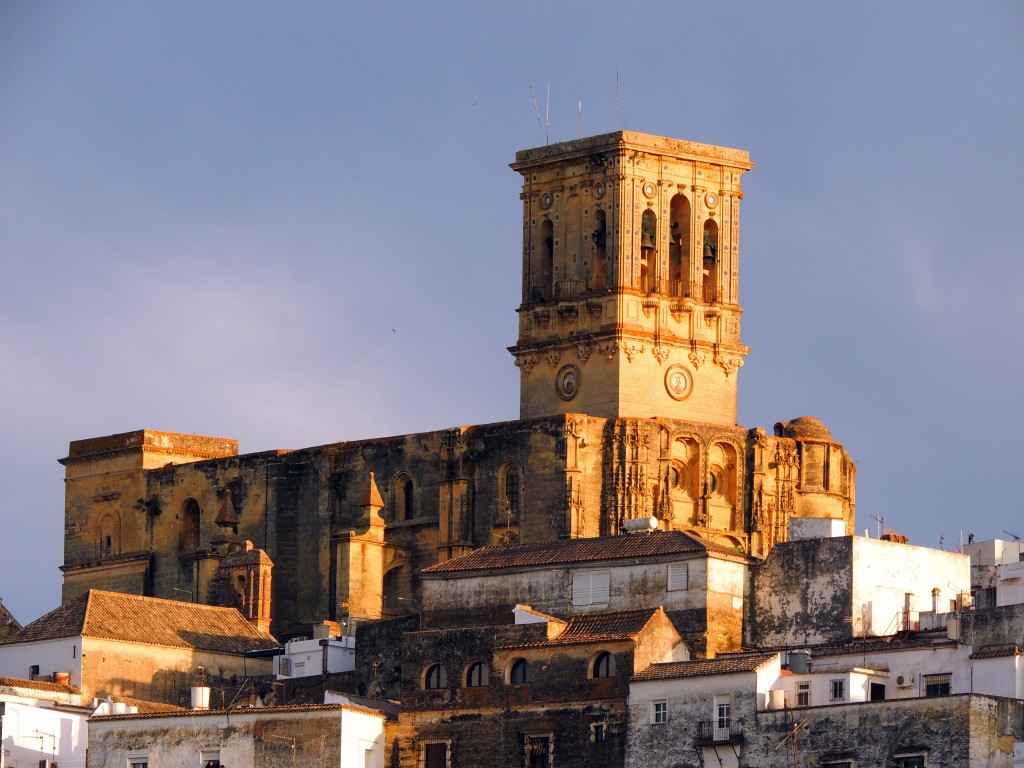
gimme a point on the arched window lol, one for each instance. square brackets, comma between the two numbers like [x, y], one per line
[109, 539]
[604, 665]
[709, 271]
[648, 255]
[521, 672]
[435, 678]
[510, 490]
[600, 238]
[190, 516]
[477, 676]
[679, 248]
[545, 279]
[403, 498]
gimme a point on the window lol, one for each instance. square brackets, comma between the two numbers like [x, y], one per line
[436, 677]
[190, 516]
[477, 676]
[537, 749]
[838, 690]
[597, 731]
[510, 478]
[723, 717]
[521, 672]
[803, 694]
[33, 671]
[590, 588]
[403, 498]
[435, 753]
[937, 685]
[210, 758]
[678, 577]
[909, 761]
[604, 665]
[138, 760]
[659, 712]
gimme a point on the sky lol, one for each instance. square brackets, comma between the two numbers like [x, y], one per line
[294, 224]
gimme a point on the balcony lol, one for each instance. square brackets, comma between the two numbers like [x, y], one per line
[711, 732]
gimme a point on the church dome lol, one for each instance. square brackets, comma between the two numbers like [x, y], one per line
[803, 427]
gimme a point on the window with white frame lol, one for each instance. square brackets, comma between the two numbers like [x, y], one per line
[916, 760]
[937, 685]
[210, 758]
[598, 731]
[538, 750]
[803, 694]
[138, 759]
[659, 712]
[723, 717]
[590, 588]
[678, 577]
[435, 753]
[837, 689]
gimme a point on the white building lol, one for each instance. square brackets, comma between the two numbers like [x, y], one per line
[41, 724]
[258, 737]
[999, 564]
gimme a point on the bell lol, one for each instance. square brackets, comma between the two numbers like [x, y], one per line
[647, 240]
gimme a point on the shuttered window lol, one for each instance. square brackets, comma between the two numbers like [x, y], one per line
[590, 588]
[678, 577]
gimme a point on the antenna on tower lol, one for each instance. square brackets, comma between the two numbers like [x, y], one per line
[547, 117]
[616, 97]
[533, 95]
[879, 522]
[579, 117]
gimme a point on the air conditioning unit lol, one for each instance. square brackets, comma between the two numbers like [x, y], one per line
[905, 681]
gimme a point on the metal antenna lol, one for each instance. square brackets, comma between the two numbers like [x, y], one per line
[579, 117]
[880, 521]
[547, 117]
[617, 97]
[1014, 535]
[533, 95]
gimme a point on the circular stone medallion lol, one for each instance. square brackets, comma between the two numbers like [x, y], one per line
[678, 382]
[567, 382]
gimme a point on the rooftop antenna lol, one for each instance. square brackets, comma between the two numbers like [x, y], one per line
[547, 117]
[1013, 535]
[536, 109]
[617, 114]
[579, 117]
[879, 521]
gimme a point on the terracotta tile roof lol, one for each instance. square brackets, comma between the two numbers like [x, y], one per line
[266, 711]
[148, 707]
[997, 651]
[875, 644]
[598, 627]
[723, 665]
[581, 551]
[148, 620]
[38, 685]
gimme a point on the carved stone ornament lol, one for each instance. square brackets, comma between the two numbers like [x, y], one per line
[567, 382]
[583, 352]
[728, 364]
[678, 382]
[553, 356]
[697, 359]
[526, 362]
[660, 353]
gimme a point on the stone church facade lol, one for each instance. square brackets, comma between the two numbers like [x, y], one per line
[629, 352]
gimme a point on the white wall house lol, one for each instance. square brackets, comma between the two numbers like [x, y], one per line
[41, 724]
[265, 737]
[43, 659]
[305, 658]
[1000, 564]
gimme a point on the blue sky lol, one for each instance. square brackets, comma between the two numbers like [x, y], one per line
[212, 216]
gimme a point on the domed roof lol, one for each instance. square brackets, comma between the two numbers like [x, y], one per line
[803, 427]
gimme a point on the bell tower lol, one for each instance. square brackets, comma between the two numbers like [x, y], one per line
[630, 304]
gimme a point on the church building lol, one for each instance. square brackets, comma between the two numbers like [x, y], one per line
[629, 352]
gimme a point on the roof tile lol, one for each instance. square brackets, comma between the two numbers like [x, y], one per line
[581, 551]
[148, 620]
[723, 665]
